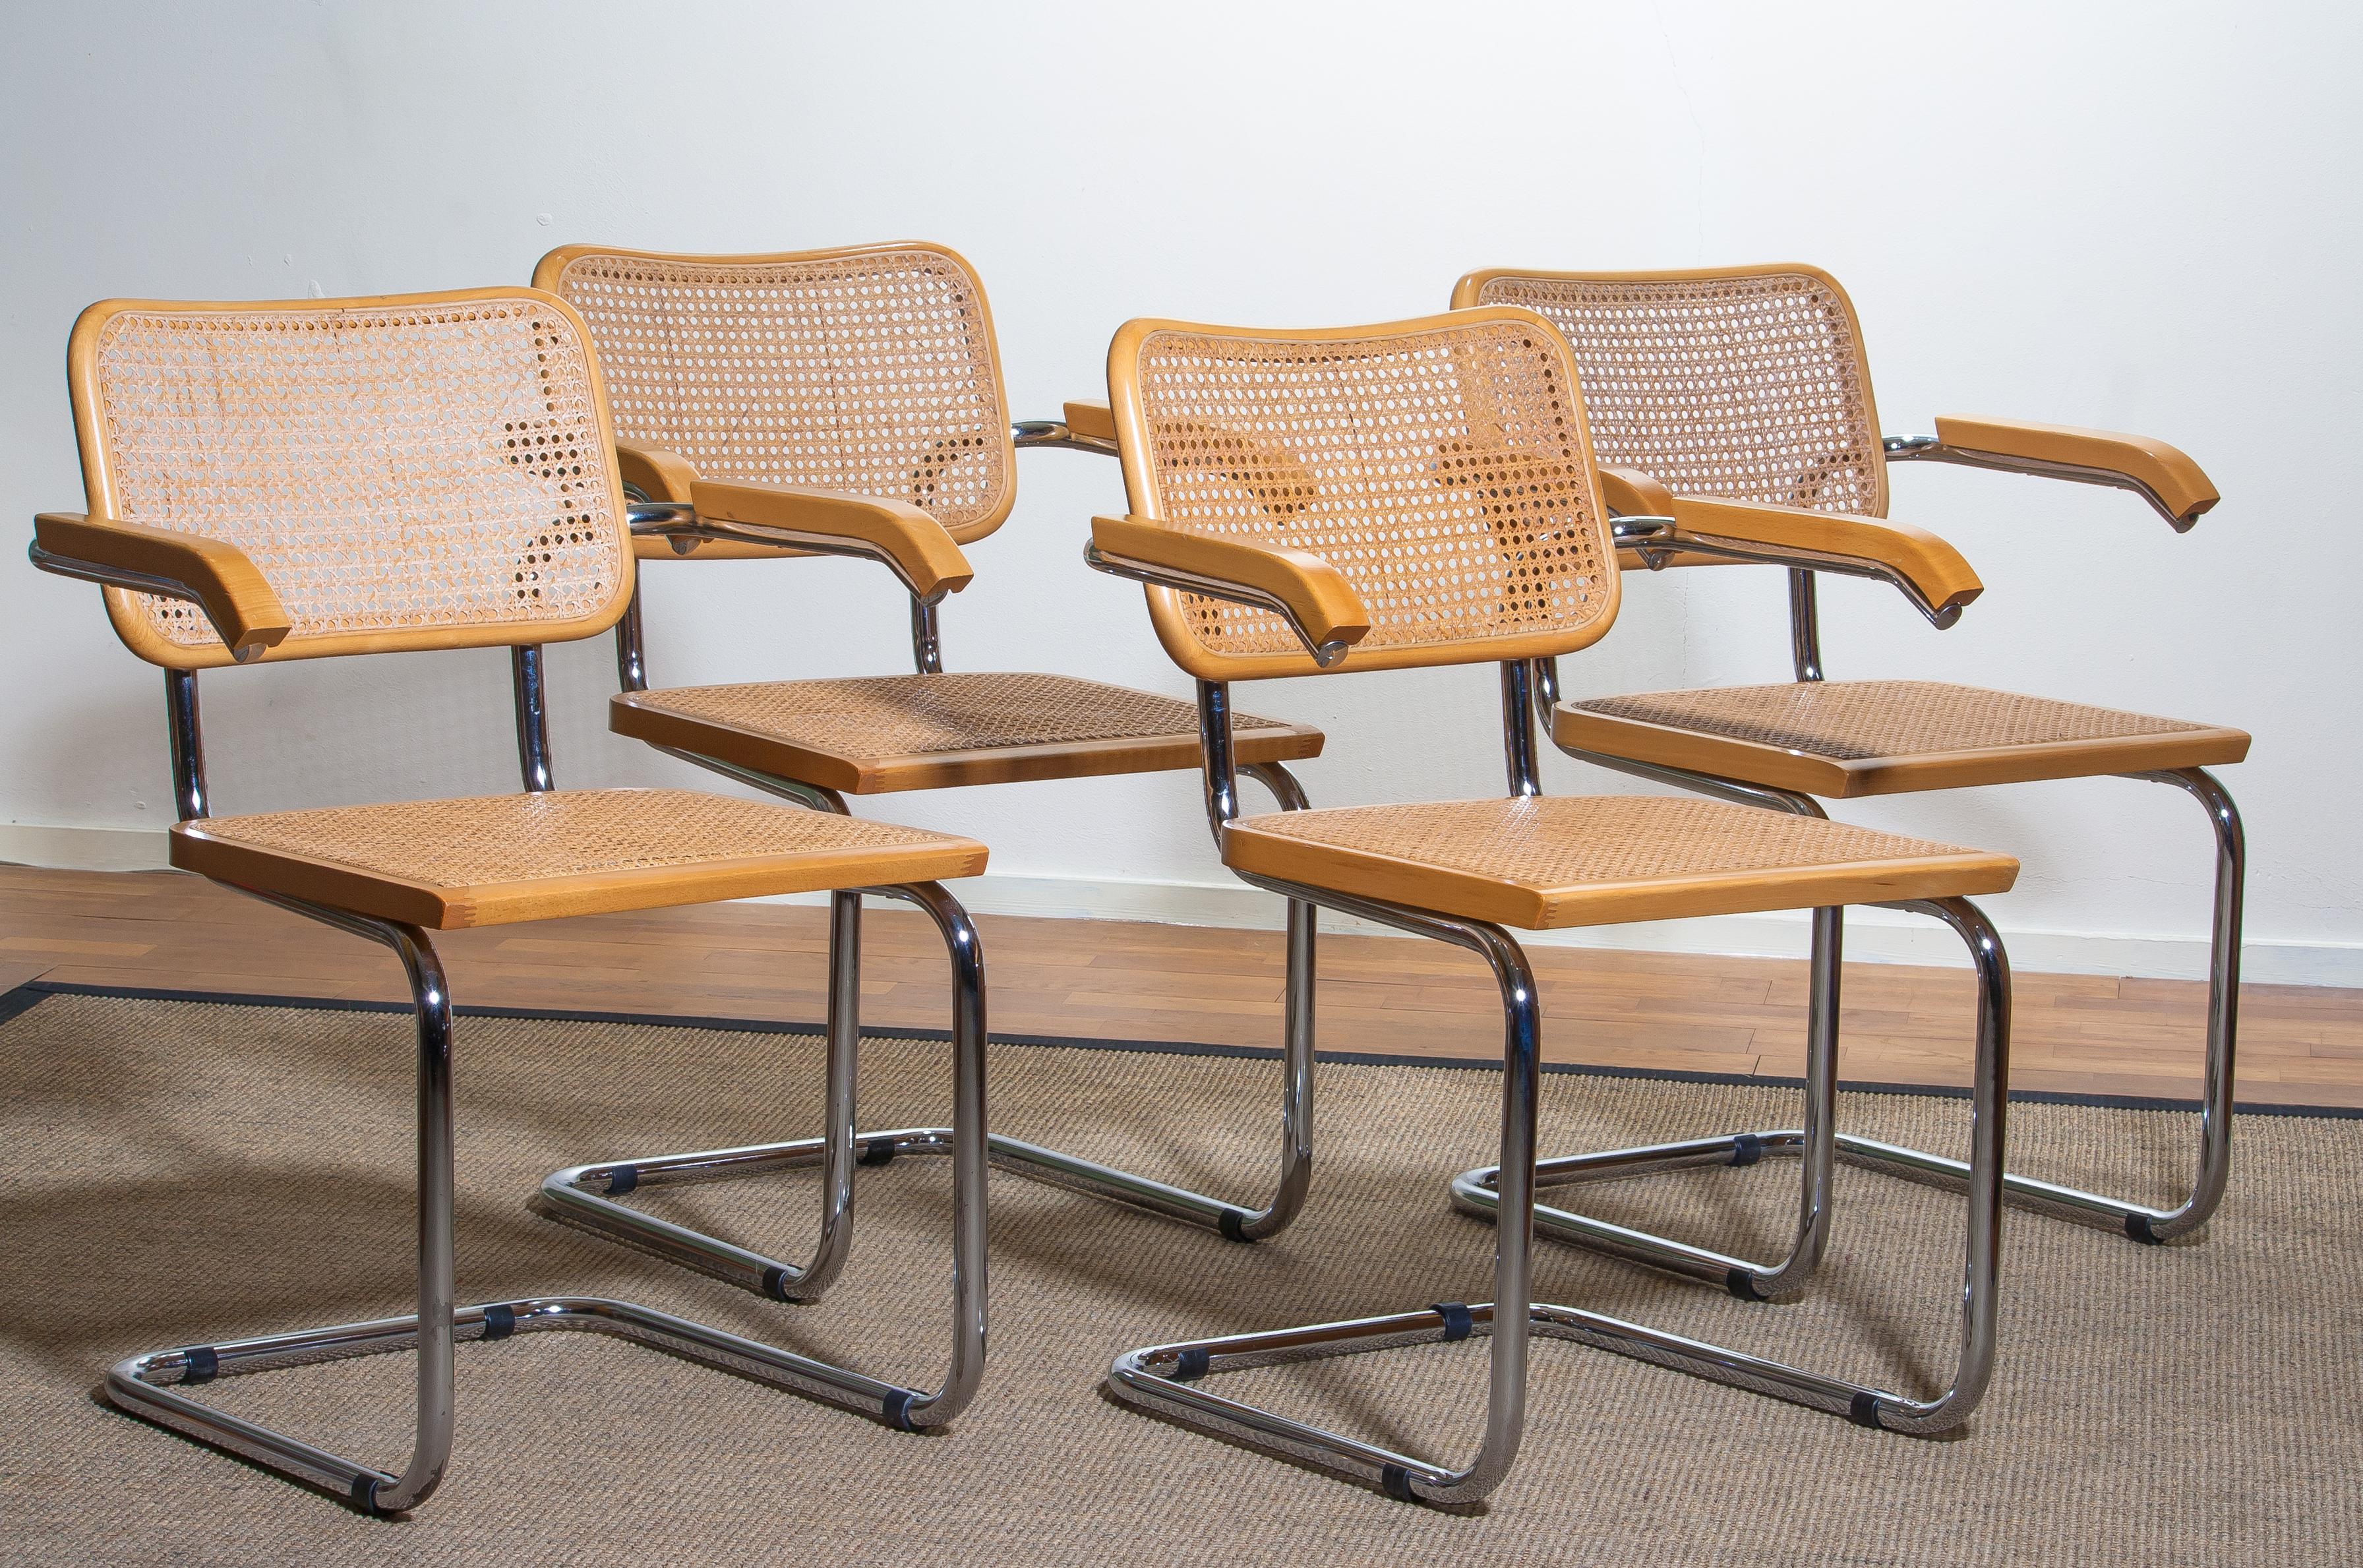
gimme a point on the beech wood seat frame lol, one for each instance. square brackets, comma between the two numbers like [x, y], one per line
[1195, 564]
[175, 564]
[687, 515]
[1619, 306]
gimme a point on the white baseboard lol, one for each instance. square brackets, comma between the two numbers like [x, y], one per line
[1874, 936]
[82, 849]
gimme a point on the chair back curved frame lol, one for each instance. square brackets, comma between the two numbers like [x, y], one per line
[1442, 467]
[1753, 384]
[409, 473]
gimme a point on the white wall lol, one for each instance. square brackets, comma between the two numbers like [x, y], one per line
[2135, 216]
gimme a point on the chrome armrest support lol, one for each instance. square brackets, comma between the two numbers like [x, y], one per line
[1324, 654]
[138, 583]
[1659, 539]
[1931, 449]
[645, 517]
[677, 524]
[1631, 533]
[1802, 560]
[1055, 433]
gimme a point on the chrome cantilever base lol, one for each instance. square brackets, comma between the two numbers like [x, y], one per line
[1167, 1379]
[584, 1196]
[150, 1385]
[1818, 1144]
[145, 1384]
[2143, 1223]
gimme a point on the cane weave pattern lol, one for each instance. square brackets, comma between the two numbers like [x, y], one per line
[498, 838]
[1750, 388]
[1562, 841]
[913, 715]
[1443, 472]
[872, 372]
[1854, 721]
[408, 468]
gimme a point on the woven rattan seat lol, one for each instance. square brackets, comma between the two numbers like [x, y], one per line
[1852, 738]
[492, 860]
[877, 735]
[1547, 861]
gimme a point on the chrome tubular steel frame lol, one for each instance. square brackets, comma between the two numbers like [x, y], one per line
[1166, 1380]
[150, 1385]
[1928, 448]
[1055, 433]
[927, 636]
[1804, 625]
[581, 1193]
[2139, 1221]
[1816, 1144]
[532, 716]
[188, 745]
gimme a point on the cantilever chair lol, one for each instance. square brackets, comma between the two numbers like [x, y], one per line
[318, 477]
[1736, 406]
[1423, 493]
[850, 402]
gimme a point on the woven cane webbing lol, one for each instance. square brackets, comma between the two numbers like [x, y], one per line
[397, 469]
[1443, 472]
[913, 715]
[1851, 720]
[1749, 387]
[569, 833]
[872, 372]
[1559, 841]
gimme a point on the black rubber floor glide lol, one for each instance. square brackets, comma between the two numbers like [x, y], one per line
[2138, 1227]
[898, 1410]
[775, 1283]
[1741, 1283]
[1459, 1324]
[1395, 1480]
[1864, 1411]
[203, 1362]
[623, 1179]
[1192, 1364]
[878, 1151]
[1232, 1225]
[500, 1322]
[1746, 1149]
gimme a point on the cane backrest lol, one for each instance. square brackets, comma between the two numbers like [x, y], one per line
[1442, 465]
[419, 471]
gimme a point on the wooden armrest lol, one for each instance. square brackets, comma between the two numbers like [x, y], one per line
[1086, 428]
[655, 472]
[2159, 474]
[910, 543]
[215, 575]
[1929, 570]
[1314, 596]
[1095, 421]
[1629, 493]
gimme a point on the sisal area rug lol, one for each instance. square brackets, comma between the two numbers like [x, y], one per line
[181, 1171]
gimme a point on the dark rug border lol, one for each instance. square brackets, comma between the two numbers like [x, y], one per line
[29, 996]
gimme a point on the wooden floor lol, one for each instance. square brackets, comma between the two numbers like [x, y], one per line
[1124, 981]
